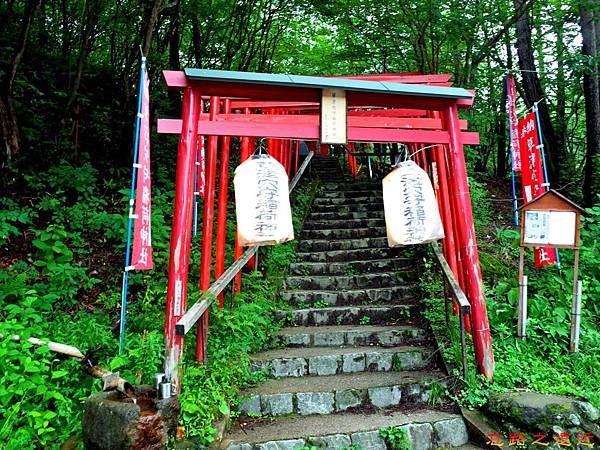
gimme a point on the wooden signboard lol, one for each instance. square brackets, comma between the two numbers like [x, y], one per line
[334, 117]
[550, 220]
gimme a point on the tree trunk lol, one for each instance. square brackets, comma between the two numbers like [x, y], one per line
[591, 91]
[534, 92]
[93, 9]
[8, 116]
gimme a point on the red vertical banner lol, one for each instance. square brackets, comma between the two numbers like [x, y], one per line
[532, 177]
[142, 234]
[511, 110]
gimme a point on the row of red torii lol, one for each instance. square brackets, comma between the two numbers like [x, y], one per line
[413, 109]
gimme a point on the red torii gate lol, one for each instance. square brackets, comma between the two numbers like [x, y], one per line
[414, 109]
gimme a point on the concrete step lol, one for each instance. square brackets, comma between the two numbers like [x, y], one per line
[304, 361]
[426, 429]
[350, 315]
[346, 215]
[349, 282]
[323, 245]
[349, 335]
[348, 255]
[337, 393]
[344, 209]
[352, 267]
[344, 233]
[345, 194]
[389, 295]
[375, 198]
[314, 224]
[352, 186]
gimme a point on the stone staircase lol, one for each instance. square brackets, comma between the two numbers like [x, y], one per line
[353, 358]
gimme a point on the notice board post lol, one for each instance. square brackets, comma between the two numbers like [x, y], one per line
[550, 220]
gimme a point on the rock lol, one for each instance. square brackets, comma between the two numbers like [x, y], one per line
[589, 411]
[385, 396]
[534, 412]
[239, 447]
[451, 433]
[277, 404]
[331, 442]
[353, 362]
[251, 405]
[368, 440]
[323, 365]
[315, 402]
[348, 399]
[420, 435]
[290, 444]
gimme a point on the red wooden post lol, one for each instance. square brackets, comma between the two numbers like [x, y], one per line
[245, 152]
[222, 207]
[324, 151]
[468, 247]
[207, 227]
[181, 232]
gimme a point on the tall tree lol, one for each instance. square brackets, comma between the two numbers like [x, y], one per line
[589, 34]
[533, 91]
[8, 115]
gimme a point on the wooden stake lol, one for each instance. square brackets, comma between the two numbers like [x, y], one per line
[521, 293]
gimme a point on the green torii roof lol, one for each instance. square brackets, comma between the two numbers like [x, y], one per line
[382, 87]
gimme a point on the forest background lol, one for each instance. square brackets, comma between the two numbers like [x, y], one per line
[68, 82]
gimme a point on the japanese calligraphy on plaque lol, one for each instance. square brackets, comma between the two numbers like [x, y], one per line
[333, 117]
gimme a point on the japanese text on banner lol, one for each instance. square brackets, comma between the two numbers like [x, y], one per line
[142, 234]
[532, 177]
[511, 98]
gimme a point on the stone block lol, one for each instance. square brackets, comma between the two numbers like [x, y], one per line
[289, 444]
[300, 340]
[420, 435]
[385, 396]
[368, 440]
[358, 337]
[250, 405]
[353, 362]
[324, 365]
[331, 339]
[410, 360]
[314, 402]
[239, 447]
[277, 404]
[288, 367]
[331, 442]
[451, 433]
[379, 361]
[349, 398]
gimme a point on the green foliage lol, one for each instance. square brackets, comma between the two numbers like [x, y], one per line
[396, 438]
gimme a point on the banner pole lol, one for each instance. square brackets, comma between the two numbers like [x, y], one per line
[512, 168]
[127, 267]
[543, 154]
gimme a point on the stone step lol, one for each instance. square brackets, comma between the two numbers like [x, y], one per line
[345, 209]
[351, 267]
[348, 255]
[344, 233]
[342, 224]
[390, 295]
[338, 393]
[344, 194]
[304, 361]
[426, 429]
[354, 186]
[349, 282]
[349, 335]
[324, 245]
[331, 215]
[350, 315]
[338, 201]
